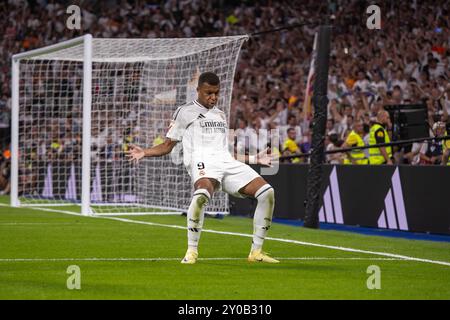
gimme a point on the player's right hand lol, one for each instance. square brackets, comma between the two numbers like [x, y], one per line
[135, 153]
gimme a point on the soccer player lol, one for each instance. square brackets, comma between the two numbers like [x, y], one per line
[203, 130]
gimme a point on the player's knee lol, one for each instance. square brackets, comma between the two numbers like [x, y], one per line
[202, 197]
[266, 193]
[271, 195]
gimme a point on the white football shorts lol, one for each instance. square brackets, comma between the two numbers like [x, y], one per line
[230, 173]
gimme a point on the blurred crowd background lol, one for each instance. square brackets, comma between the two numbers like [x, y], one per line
[406, 62]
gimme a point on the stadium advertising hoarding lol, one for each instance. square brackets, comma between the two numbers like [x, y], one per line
[407, 198]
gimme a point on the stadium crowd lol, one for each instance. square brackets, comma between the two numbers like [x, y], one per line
[406, 62]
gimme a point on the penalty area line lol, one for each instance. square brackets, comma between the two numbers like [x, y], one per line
[311, 244]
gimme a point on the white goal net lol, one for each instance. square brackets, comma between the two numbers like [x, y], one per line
[136, 85]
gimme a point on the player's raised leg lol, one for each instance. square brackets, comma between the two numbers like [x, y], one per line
[262, 220]
[204, 189]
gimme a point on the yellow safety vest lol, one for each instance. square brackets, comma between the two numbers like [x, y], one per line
[446, 146]
[375, 156]
[293, 148]
[356, 154]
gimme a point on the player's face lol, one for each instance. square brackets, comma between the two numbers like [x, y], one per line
[208, 95]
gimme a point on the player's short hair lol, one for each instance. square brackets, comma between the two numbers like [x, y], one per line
[210, 78]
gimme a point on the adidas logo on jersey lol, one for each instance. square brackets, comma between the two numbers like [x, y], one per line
[200, 116]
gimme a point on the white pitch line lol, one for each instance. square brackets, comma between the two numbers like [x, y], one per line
[385, 254]
[339, 258]
[44, 209]
[36, 223]
[179, 259]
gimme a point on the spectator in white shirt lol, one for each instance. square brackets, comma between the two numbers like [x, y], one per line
[282, 113]
[378, 84]
[435, 69]
[400, 80]
[331, 128]
[362, 83]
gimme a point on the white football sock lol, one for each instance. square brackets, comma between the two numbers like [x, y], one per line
[195, 216]
[262, 219]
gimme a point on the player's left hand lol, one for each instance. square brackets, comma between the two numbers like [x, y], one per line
[135, 154]
[265, 158]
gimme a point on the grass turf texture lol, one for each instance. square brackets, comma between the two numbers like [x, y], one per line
[31, 234]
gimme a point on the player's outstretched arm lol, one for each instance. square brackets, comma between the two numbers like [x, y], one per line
[137, 153]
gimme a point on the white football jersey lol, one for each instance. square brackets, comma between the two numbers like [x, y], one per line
[203, 132]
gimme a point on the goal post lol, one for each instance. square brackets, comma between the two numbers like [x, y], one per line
[15, 133]
[87, 100]
[79, 104]
[86, 40]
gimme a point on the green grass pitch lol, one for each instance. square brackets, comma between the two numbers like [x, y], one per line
[120, 259]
